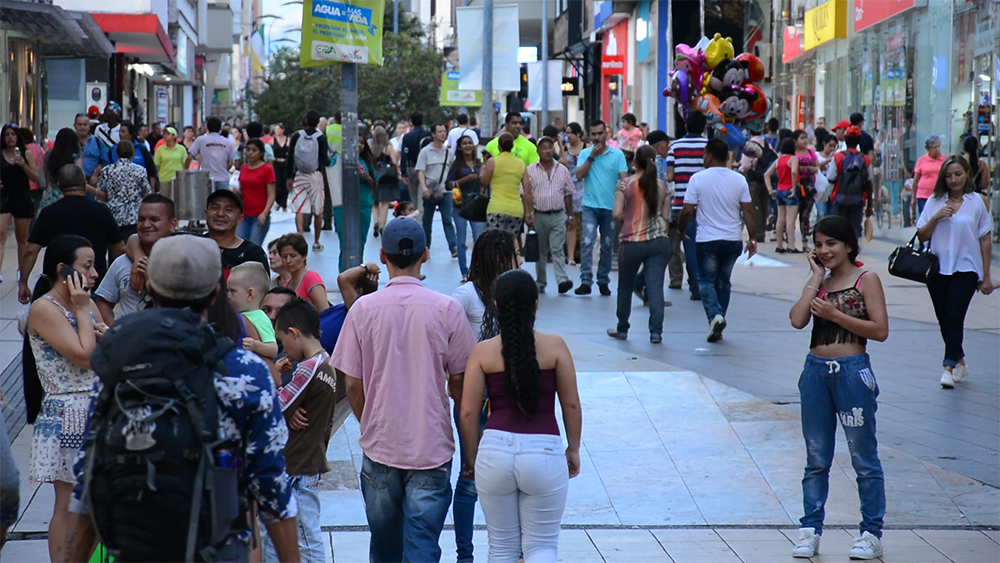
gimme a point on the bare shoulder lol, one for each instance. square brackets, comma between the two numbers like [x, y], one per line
[43, 312]
[550, 349]
[870, 281]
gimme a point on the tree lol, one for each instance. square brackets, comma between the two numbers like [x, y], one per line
[408, 81]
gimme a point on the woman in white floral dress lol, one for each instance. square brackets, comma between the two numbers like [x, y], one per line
[63, 328]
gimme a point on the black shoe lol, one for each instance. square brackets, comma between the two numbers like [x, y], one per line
[541, 289]
[605, 290]
[672, 286]
[565, 286]
[617, 335]
[454, 252]
[655, 338]
[584, 289]
[695, 297]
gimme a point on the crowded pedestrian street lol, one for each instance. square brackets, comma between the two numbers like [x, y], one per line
[692, 452]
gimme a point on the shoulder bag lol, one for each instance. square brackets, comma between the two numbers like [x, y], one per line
[914, 263]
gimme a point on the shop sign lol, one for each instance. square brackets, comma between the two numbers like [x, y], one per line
[826, 22]
[800, 112]
[894, 42]
[984, 118]
[986, 38]
[612, 64]
[870, 12]
[791, 45]
[452, 96]
[161, 104]
[341, 32]
[570, 86]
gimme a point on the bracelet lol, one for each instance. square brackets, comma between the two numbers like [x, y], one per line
[812, 288]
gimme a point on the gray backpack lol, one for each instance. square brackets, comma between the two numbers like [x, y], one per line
[307, 152]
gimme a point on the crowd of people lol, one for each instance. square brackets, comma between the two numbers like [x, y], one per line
[134, 326]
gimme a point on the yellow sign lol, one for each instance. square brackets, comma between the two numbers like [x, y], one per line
[826, 22]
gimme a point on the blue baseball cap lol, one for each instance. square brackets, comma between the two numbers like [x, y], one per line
[403, 236]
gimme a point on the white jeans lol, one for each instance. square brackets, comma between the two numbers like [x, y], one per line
[522, 481]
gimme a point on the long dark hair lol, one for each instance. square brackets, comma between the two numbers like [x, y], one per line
[64, 151]
[19, 140]
[941, 186]
[645, 160]
[366, 153]
[459, 154]
[838, 228]
[517, 298]
[62, 250]
[493, 254]
[971, 147]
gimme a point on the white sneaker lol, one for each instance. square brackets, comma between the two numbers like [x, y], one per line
[959, 373]
[808, 544]
[866, 547]
[947, 380]
[715, 328]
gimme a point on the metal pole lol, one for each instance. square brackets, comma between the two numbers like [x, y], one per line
[395, 17]
[545, 68]
[350, 244]
[486, 109]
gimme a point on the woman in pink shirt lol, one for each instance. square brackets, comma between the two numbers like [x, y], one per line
[306, 283]
[925, 174]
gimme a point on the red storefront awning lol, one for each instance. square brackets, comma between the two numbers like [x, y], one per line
[137, 35]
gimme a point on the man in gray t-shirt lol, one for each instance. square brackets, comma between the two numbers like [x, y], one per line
[432, 169]
[215, 153]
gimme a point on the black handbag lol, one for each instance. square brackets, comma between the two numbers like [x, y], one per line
[531, 246]
[475, 207]
[914, 263]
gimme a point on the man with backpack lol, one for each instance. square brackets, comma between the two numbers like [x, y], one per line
[753, 168]
[852, 196]
[310, 152]
[183, 436]
[412, 143]
[215, 153]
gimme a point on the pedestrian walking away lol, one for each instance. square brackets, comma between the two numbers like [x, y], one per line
[786, 193]
[413, 141]
[122, 186]
[520, 477]
[279, 146]
[398, 348]
[720, 195]
[602, 167]
[550, 189]
[685, 158]
[642, 208]
[215, 153]
[387, 173]
[310, 154]
[853, 195]
[847, 307]
[959, 227]
[504, 174]
[462, 130]
[660, 142]
[759, 195]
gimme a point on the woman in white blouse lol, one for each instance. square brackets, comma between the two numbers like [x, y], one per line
[958, 225]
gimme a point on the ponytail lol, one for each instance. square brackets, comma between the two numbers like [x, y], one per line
[645, 160]
[517, 297]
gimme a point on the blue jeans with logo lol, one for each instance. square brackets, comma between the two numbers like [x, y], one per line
[844, 389]
[461, 236]
[715, 268]
[251, 231]
[596, 221]
[463, 507]
[406, 510]
[304, 487]
[445, 205]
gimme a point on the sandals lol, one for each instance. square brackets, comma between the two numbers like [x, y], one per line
[780, 250]
[795, 251]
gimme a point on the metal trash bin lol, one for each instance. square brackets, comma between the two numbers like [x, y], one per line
[190, 191]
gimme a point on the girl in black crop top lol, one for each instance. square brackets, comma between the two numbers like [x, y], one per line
[847, 308]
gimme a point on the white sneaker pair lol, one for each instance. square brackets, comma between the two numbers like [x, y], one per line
[949, 379]
[867, 546]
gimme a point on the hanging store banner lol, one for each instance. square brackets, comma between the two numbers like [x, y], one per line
[554, 86]
[452, 96]
[349, 31]
[870, 12]
[791, 45]
[506, 39]
[825, 22]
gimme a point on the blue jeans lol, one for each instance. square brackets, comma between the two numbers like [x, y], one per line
[463, 507]
[845, 389]
[216, 186]
[446, 206]
[250, 230]
[853, 213]
[596, 220]
[691, 255]
[461, 232]
[715, 267]
[822, 209]
[304, 487]
[406, 510]
[654, 256]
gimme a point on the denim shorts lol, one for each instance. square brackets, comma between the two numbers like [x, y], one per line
[788, 197]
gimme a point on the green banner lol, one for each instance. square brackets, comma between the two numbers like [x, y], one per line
[349, 31]
[452, 96]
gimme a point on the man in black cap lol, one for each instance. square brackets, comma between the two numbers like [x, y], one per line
[223, 213]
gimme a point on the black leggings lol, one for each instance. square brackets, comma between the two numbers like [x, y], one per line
[951, 296]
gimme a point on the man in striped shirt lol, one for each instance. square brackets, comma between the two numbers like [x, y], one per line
[549, 185]
[685, 158]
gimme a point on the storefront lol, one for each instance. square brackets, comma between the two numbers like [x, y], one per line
[615, 74]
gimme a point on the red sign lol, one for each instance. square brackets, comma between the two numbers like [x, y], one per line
[870, 12]
[894, 42]
[800, 111]
[791, 43]
[612, 64]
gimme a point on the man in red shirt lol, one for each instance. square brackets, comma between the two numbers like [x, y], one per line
[848, 205]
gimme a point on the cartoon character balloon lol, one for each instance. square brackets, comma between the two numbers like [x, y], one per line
[717, 50]
[728, 74]
[732, 134]
[680, 88]
[754, 68]
[760, 106]
[690, 60]
[737, 103]
[708, 104]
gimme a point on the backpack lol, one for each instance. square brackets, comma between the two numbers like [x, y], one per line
[853, 180]
[160, 484]
[307, 152]
[764, 161]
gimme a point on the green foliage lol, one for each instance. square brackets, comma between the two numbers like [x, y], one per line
[408, 81]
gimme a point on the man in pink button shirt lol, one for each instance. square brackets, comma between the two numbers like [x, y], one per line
[398, 347]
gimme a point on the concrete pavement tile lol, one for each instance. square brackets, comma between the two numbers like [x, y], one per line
[20, 448]
[350, 547]
[913, 553]
[699, 552]
[588, 501]
[681, 535]
[962, 545]
[977, 502]
[763, 551]
[634, 501]
[834, 545]
[603, 384]
[746, 497]
[342, 508]
[574, 545]
[23, 551]
[751, 534]
[38, 512]
[993, 535]
[627, 545]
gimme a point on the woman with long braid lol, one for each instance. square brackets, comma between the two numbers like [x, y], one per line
[493, 254]
[522, 483]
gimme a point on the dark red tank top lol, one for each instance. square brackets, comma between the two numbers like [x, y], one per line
[505, 416]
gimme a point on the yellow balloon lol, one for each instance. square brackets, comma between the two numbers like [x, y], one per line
[718, 49]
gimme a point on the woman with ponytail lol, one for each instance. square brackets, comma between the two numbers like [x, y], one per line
[521, 481]
[643, 213]
[63, 328]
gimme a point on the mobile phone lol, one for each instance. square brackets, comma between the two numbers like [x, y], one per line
[66, 271]
[818, 261]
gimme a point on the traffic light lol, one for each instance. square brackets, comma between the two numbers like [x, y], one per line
[523, 93]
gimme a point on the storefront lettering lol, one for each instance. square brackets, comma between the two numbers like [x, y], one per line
[871, 12]
[825, 22]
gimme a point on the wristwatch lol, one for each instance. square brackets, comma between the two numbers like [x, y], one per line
[590, 159]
